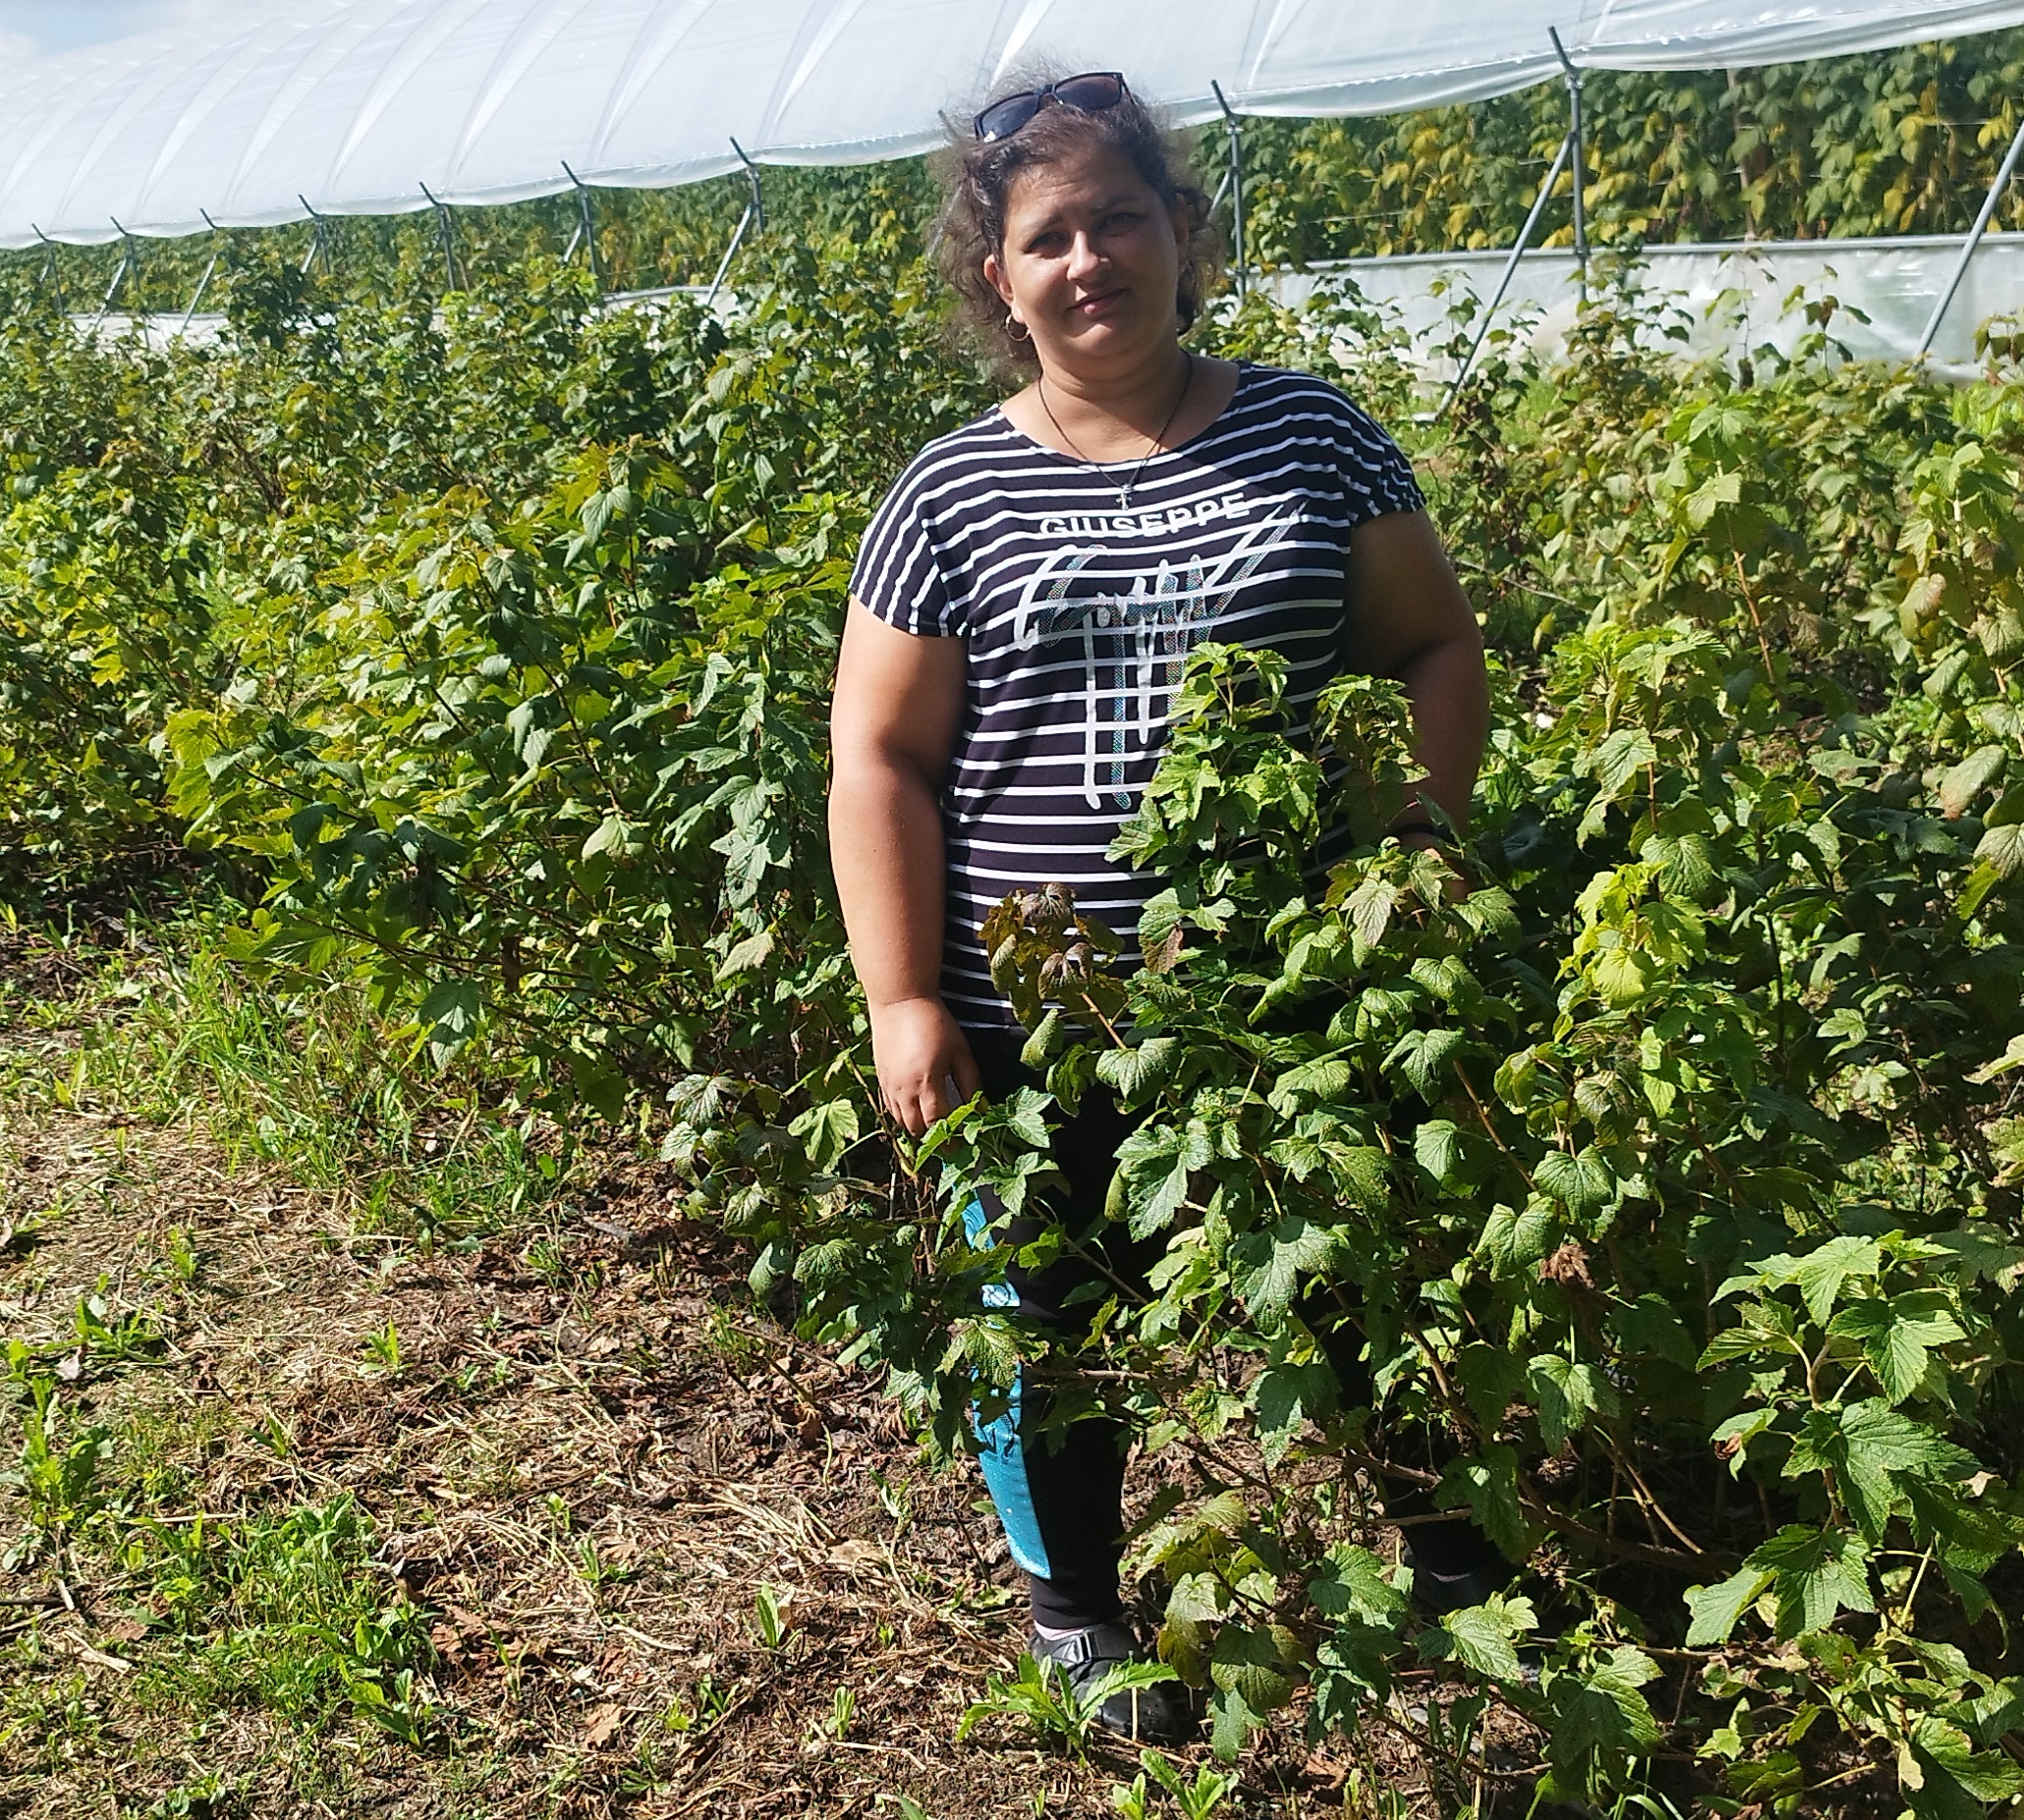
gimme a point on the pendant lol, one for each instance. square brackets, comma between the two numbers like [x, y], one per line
[1124, 498]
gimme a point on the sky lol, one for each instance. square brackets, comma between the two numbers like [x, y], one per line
[39, 27]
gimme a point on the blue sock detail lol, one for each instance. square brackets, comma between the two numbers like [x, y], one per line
[1003, 1456]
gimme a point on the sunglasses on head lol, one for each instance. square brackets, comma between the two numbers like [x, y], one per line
[1089, 93]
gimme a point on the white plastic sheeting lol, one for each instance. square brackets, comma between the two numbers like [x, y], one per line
[1735, 299]
[371, 106]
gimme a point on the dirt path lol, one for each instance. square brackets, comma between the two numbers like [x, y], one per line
[304, 1511]
[573, 1459]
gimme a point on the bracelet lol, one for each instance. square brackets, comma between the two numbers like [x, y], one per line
[1439, 837]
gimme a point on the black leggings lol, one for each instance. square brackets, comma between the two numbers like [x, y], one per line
[1062, 1498]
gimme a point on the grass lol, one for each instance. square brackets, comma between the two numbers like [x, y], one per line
[177, 1037]
[349, 1471]
[282, 1612]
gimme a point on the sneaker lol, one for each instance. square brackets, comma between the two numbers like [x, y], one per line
[1438, 1594]
[1162, 1714]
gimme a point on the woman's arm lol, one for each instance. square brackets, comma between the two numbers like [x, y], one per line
[899, 702]
[1409, 620]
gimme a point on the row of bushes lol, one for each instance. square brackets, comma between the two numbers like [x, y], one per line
[1670, 1178]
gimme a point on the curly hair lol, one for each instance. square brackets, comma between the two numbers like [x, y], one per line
[976, 177]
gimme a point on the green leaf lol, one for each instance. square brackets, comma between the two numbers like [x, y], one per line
[1716, 1608]
[598, 1086]
[1898, 1337]
[1362, 1172]
[1155, 1164]
[1039, 1046]
[1484, 1637]
[1261, 1664]
[1865, 1448]
[1583, 1183]
[1517, 1078]
[449, 1016]
[826, 1130]
[2001, 851]
[1982, 1252]
[1819, 1274]
[1621, 757]
[1267, 1265]
[1686, 863]
[1438, 1149]
[1124, 1678]
[2008, 1063]
[1969, 1536]
[746, 956]
[1954, 1777]
[1568, 1394]
[1133, 1073]
[1286, 1396]
[1352, 1582]
[1490, 1377]
[1970, 777]
[1623, 976]
[1159, 931]
[1025, 1117]
[1513, 1241]
[1815, 1574]
[1601, 1710]
[611, 835]
[1422, 1056]
[1985, 878]
[1651, 1325]
[1232, 1720]
[1487, 1483]
[1370, 908]
[1319, 1080]
[1763, 1331]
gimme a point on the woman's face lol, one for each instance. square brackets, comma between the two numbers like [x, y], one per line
[1090, 262]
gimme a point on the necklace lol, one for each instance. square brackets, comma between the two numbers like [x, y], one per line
[1124, 492]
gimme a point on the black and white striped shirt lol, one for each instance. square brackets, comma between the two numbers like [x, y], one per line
[1077, 614]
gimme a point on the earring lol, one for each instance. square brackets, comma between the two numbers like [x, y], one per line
[1016, 330]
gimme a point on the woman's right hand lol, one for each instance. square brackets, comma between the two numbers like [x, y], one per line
[924, 1066]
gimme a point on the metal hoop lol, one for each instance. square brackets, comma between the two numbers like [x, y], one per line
[1016, 330]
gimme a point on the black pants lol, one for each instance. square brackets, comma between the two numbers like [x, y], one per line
[1061, 1497]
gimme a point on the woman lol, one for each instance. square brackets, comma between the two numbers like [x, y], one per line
[1017, 614]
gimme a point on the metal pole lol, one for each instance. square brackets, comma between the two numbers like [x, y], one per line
[204, 283]
[1575, 135]
[133, 258]
[759, 195]
[119, 275]
[754, 215]
[724, 264]
[316, 240]
[53, 270]
[1539, 204]
[447, 236]
[1235, 181]
[1960, 271]
[586, 228]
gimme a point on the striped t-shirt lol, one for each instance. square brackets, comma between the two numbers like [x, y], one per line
[1078, 614]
